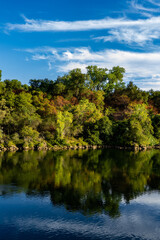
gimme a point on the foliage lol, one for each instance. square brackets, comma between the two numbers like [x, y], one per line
[76, 109]
[141, 129]
[63, 124]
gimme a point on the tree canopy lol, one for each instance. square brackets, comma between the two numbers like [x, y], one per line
[95, 108]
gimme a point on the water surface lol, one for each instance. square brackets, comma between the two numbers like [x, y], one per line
[95, 194]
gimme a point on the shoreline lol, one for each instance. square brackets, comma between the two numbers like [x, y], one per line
[87, 147]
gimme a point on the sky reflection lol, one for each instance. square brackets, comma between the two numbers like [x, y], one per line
[138, 220]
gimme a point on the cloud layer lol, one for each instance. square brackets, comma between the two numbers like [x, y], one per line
[32, 25]
[140, 67]
[124, 30]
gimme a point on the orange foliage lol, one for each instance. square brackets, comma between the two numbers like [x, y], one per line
[74, 101]
[60, 102]
[152, 108]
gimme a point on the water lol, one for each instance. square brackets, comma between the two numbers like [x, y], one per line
[96, 194]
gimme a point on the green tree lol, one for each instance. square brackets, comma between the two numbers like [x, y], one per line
[74, 82]
[114, 79]
[141, 129]
[63, 124]
[96, 77]
[13, 84]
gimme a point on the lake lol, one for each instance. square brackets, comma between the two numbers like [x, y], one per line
[82, 194]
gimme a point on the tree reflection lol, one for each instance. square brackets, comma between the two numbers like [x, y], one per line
[83, 180]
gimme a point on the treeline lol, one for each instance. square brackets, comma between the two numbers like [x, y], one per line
[77, 109]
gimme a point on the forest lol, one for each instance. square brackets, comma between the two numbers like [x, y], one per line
[75, 110]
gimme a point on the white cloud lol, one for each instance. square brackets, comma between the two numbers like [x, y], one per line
[143, 32]
[72, 65]
[123, 30]
[142, 67]
[82, 54]
[49, 66]
[131, 36]
[39, 57]
[32, 25]
[138, 6]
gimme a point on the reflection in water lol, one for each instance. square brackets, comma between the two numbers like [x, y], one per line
[100, 184]
[88, 181]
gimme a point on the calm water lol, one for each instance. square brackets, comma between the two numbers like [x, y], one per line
[96, 194]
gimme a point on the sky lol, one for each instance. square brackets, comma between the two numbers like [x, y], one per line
[45, 39]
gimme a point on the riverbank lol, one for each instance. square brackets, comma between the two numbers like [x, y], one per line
[76, 147]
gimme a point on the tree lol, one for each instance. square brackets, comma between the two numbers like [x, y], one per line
[114, 79]
[96, 77]
[136, 94]
[85, 113]
[74, 83]
[63, 124]
[13, 84]
[99, 132]
[43, 85]
[30, 136]
[141, 129]
[105, 129]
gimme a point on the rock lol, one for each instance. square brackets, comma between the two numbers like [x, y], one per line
[12, 148]
[94, 147]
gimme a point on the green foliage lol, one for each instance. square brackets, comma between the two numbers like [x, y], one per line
[92, 134]
[30, 136]
[13, 84]
[154, 98]
[74, 83]
[134, 93]
[59, 88]
[102, 79]
[156, 125]
[115, 79]
[137, 129]
[94, 108]
[86, 111]
[16, 138]
[43, 85]
[121, 133]
[2, 88]
[63, 124]
[96, 77]
[10, 144]
[105, 129]
[141, 129]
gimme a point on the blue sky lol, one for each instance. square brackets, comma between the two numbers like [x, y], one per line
[44, 39]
